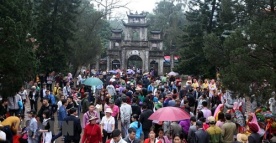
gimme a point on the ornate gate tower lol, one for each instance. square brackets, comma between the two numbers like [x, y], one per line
[132, 47]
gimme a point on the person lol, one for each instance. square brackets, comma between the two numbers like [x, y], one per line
[125, 112]
[206, 112]
[62, 114]
[213, 131]
[77, 127]
[43, 92]
[185, 124]
[151, 137]
[11, 126]
[91, 112]
[238, 117]
[116, 137]
[23, 93]
[85, 103]
[131, 137]
[57, 89]
[201, 136]
[192, 130]
[66, 90]
[175, 128]
[221, 120]
[254, 137]
[162, 137]
[32, 128]
[178, 138]
[115, 112]
[107, 124]
[135, 107]
[253, 119]
[59, 104]
[46, 132]
[218, 110]
[228, 129]
[3, 109]
[51, 100]
[146, 123]
[92, 132]
[45, 106]
[136, 125]
[13, 104]
[24, 133]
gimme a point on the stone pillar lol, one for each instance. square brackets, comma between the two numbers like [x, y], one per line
[172, 61]
[107, 63]
[146, 61]
[161, 67]
[123, 59]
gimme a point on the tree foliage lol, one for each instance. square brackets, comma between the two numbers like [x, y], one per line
[201, 20]
[236, 37]
[91, 37]
[17, 59]
[55, 26]
[168, 16]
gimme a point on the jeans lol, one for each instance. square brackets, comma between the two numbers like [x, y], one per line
[33, 104]
[116, 122]
[125, 126]
[105, 135]
[57, 136]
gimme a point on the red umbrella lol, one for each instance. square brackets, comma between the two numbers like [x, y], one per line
[169, 114]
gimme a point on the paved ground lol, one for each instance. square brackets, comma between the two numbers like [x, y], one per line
[28, 108]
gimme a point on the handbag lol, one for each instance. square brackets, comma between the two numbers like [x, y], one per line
[20, 104]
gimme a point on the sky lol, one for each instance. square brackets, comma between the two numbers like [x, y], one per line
[136, 5]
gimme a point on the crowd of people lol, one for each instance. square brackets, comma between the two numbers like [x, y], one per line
[118, 111]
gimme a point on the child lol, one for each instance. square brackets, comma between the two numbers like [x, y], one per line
[24, 134]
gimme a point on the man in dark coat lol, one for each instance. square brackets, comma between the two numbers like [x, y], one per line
[75, 137]
[144, 119]
[201, 136]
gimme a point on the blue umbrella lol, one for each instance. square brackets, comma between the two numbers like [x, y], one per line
[93, 81]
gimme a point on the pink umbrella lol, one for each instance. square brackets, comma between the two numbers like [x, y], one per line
[169, 114]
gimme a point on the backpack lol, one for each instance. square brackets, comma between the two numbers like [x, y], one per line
[24, 137]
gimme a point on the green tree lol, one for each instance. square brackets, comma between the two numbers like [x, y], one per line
[17, 59]
[91, 37]
[55, 26]
[247, 55]
[169, 18]
[201, 20]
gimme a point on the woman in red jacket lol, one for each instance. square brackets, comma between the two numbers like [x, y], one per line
[152, 138]
[92, 132]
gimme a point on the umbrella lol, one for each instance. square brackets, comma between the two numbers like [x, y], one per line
[169, 114]
[130, 71]
[93, 81]
[113, 71]
[172, 73]
[147, 73]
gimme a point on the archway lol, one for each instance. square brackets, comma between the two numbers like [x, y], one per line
[115, 64]
[153, 65]
[134, 61]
